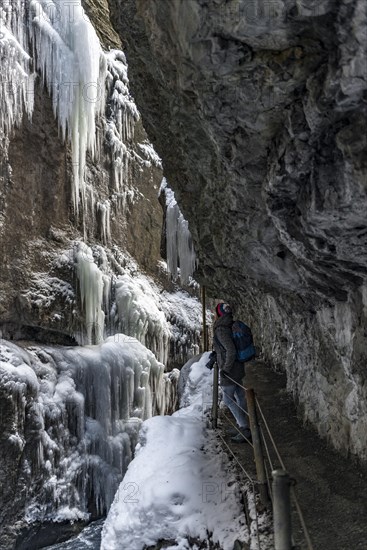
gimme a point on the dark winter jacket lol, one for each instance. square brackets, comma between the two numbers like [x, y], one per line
[226, 351]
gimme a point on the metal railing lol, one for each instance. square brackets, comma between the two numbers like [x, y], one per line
[276, 492]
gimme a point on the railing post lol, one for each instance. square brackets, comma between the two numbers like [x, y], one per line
[205, 330]
[282, 510]
[215, 397]
[258, 453]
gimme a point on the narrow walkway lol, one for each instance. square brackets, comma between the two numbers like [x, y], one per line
[332, 490]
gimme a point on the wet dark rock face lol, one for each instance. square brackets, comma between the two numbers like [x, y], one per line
[258, 110]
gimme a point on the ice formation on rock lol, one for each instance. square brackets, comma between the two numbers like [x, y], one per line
[79, 411]
[104, 209]
[139, 314]
[17, 80]
[122, 115]
[91, 286]
[58, 40]
[167, 323]
[180, 250]
[69, 56]
[150, 154]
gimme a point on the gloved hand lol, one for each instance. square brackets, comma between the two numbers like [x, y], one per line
[212, 360]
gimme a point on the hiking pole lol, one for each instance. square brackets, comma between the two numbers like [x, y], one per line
[215, 397]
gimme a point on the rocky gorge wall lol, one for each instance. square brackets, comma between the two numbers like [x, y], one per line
[258, 110]
[80, 235]
[76, 167]
[39, 223]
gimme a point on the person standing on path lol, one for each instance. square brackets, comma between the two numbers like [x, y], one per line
[226, 357]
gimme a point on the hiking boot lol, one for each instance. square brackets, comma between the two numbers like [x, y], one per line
[243, 436]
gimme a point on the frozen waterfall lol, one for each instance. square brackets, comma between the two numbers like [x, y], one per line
[57, 39]
[67, 53]
[167, 323]
[69, 56]
[74, 418]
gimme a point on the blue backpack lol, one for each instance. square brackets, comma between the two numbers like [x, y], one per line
[242, 338]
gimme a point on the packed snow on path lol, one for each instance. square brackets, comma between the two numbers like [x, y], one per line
[180, 484]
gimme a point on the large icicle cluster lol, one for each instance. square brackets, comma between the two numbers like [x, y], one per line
[17, 80]
[140, 314]
[69, 56]
[56, 39]
[121, 118]
[180, 251]
[78, 410]
[167, 323]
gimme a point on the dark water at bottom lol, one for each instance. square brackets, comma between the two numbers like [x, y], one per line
[88, 539]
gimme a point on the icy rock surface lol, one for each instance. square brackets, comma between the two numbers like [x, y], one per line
[265, 149]
[181, 258]
[167, 323]
[91, 287]
[108, 293]
[73, 416]
[17, 80]
[113, 295]
[67, 52]
[55, 44]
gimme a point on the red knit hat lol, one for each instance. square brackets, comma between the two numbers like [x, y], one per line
[222, 309]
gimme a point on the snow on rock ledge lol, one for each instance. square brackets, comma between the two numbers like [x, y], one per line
[168, 323]
[92, 292]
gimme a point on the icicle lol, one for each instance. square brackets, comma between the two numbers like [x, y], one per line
[91, 283]
[16, 83]
[122, 118]
[172, 215]
[68, 54]
[140, 315]
[104, 210]
[185, 250]
[180, 250]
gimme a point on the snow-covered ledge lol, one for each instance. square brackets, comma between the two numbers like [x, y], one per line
[179, 487]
